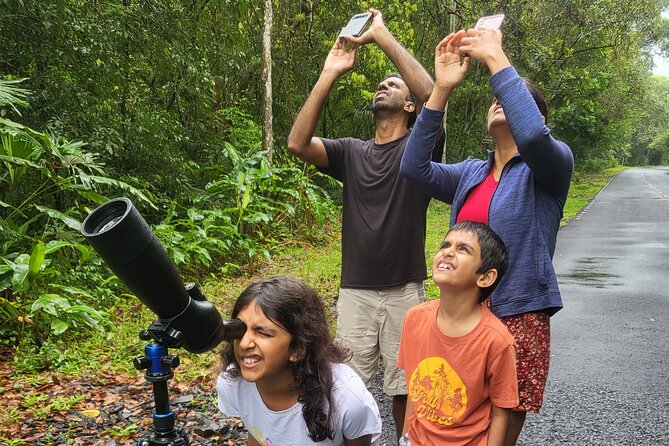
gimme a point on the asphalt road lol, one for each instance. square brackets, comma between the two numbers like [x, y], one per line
[609, 380]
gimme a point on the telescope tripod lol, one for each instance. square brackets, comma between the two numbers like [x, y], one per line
[158, 365]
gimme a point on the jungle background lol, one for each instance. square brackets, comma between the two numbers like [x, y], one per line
[185, 106]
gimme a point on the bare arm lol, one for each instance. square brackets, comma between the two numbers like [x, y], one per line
[414, 75]
[407, 414]
[499, 425]
[252, 441]
[301, 140]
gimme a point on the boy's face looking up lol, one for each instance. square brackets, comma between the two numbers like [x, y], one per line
[457, 262]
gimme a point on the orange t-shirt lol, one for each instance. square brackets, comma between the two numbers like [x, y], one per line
[453, 382]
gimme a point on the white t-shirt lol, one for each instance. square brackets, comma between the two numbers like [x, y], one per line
[357, 413]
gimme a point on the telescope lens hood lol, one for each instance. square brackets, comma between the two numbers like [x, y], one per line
[127, 244]
[117, 231]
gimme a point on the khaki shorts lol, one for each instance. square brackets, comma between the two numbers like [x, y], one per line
[369, 323]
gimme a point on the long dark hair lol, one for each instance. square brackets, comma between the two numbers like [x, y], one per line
[538, 98]
[297, 307]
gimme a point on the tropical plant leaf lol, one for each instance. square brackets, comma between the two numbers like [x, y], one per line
[50, 303]
[121, 185]
[75, 291]
[19, 161]
[12, 95]
[55, 245]
[21, 272]
[36, 258]
[12, 124]
[69, 221]
[58, 327]
[89, 194]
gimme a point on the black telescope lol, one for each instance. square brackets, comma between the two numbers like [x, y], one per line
[127, 244]
[185, 318]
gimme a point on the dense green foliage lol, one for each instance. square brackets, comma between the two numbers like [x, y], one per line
[157, 88]
[166, 97]
[650, 139]
[48, 184]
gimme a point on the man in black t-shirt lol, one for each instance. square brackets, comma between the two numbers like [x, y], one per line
[383, 222]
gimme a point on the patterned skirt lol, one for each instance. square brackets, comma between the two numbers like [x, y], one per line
[532, 333]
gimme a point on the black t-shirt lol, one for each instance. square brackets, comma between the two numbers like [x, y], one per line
[383, 221]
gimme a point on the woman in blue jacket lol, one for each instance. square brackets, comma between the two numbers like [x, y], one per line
[519, 191]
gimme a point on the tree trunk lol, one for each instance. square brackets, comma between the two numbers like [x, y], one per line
[267, 80]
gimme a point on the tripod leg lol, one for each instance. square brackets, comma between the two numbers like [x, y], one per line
[158, 365]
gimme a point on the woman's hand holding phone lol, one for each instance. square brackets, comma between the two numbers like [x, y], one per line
[485, 45]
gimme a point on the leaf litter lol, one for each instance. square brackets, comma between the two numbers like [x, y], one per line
[108, 408]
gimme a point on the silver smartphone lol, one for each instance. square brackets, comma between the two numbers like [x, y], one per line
[357, 25]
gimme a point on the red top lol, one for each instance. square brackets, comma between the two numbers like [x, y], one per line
[477, 202]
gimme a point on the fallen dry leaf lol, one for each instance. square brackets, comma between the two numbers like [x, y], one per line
[90, 413]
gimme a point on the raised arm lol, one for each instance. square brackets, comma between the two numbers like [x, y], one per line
[414, 75]
[450, 68]
[301, 140]
[550, 160]
[439, 180]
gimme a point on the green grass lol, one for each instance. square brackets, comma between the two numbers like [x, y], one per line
[316, 264]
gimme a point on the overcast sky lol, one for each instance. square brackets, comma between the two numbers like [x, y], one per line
[661, 66]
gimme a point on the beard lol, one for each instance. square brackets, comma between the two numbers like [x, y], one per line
[386, 106]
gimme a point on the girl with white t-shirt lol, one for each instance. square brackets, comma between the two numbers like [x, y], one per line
[285, 378]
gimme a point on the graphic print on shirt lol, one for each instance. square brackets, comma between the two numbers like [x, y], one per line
[437, 392]
[264, 441]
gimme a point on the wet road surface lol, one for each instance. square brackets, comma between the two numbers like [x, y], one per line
[609, 379]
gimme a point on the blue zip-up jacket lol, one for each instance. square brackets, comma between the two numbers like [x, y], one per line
[527, 205]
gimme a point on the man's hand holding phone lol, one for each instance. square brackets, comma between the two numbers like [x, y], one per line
[357, 35]
[340, 59]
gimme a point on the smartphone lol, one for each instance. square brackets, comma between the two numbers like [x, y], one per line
[357, 25]
[490, 22]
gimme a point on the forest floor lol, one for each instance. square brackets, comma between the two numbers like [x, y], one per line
[103, 401]
[105, 408]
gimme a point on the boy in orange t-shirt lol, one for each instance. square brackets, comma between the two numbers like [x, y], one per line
[458, 358]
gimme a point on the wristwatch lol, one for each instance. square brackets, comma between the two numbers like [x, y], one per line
[404, 440]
